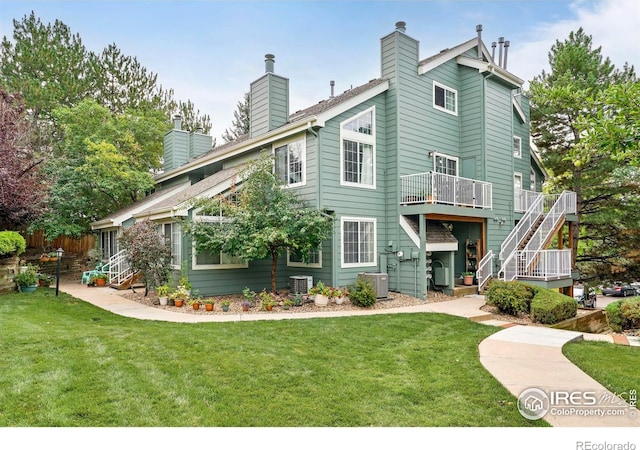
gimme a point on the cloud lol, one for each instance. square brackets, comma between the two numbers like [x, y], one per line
[613, 25]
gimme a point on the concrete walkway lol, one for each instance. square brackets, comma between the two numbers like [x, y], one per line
[520, 357]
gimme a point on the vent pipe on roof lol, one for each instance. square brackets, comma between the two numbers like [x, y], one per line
[506, 49]
[177, 122]
[479, 30]
[269, 62]
[500, 42]
[401, 27]
[333, 85]
[493, 50]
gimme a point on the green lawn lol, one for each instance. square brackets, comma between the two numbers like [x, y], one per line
[613, 366]
[67, 363]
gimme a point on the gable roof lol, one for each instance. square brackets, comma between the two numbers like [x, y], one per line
[486, 64]
[116, 219]
[315, 115]
[179, 203]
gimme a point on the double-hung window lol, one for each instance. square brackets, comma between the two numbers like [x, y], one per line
[109, 243]
[445, 98]
[517, 147]
[358, 241]
[290, 163]
[358, 153]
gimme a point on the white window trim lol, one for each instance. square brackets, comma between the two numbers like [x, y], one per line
[446, 88]
[532, 179]
[444, 155]
[360, 138]
[196, 217]
[304, 159]
[179, 258]
[196, 266]
[517, 175]
[317, 265]
[374, 263]
[519, 152]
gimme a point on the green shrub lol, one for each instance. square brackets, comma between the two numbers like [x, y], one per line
[510, 297]
[623, 314]
[11, 243]
[362, 293]
[552, 307]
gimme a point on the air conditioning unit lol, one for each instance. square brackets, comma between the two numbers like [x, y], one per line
[300, 284]
[380, 283]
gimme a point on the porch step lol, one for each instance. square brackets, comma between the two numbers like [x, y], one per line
[461, 291]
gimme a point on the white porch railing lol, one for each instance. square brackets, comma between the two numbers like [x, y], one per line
[551, 264]
[119, 269]
[523, 227]
[485, 270]
[440, 188]
[523, 199]
[565, 204]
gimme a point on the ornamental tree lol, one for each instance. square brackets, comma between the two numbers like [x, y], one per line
[147, 252]
[266, 219]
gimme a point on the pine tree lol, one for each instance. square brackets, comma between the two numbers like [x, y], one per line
[240, 124]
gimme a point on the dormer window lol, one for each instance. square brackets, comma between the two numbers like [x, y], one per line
[445, 98]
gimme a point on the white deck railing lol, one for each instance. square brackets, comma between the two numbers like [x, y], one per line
[523, 199]
[550, 265]
[440, 188]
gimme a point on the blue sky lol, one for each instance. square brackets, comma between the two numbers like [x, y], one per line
[210, 51]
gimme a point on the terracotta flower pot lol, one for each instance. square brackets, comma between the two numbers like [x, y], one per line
[101, 282]
[196, 306]
[208, 306]
[269, 307]
[178, 303]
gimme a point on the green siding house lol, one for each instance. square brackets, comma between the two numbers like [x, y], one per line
[428, 171]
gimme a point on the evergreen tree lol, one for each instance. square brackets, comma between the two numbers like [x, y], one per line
[240, 124]
[560, 99]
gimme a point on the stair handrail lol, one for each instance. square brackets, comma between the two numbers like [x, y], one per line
[485, 270]
[520, 231]
[119, 268]
[565, 204]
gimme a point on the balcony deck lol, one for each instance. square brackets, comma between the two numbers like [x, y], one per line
[434, 188]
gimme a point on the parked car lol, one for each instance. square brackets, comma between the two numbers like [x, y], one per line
[620, 290]
[585, 297]
[636, 286]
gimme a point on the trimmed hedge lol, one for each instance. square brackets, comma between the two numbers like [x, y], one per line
[543, 305]
[11, 243]
[623, 314]
[510, 297]
[549, 307]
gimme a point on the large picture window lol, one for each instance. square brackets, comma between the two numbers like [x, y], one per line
[358, 155]
[358, 241]
[445, 98]
[290, 163]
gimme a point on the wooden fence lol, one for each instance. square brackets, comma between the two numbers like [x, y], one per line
[79, 247]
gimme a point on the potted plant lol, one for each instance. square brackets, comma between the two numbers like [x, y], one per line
[27, 280]
[44, 257]
[180, 295]
[45, 280]
[246, 305]
[163, 294]
[321, 294]
[99, 279]
[266, 300]
[195, 304]
[467, 278]
[53, 256]
[249, 296]
[225, 305]
[339, 295]
[208, 304]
